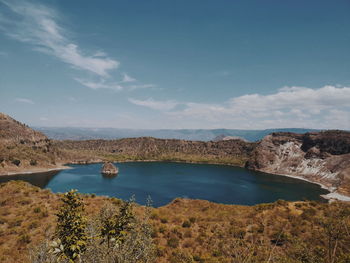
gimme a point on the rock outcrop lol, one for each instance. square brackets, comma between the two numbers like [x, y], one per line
[109, 169]
[321, 157]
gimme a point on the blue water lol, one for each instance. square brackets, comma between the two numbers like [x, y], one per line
[165, 181]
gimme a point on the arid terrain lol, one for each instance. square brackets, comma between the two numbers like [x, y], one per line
[320, 157]
[189, 230]
[192, 230]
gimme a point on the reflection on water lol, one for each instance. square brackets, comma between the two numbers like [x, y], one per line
[37, 179]
[109, 176]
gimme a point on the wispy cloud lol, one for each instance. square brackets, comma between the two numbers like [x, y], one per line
[100, 85]
[24, 100]
[40, 26]
[155, 105]
[127, 78]
[326, 107]
[142, 86]
[36, 24]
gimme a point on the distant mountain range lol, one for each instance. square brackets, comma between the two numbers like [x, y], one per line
[73, 133]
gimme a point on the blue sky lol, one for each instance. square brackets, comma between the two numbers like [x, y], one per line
[176, 64]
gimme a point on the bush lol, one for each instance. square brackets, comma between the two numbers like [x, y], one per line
[186, 224]
[162, 229]
[37, 210]
[24, 239]
[164, 220]
[173, 242]
[33, 162]
[71, 226]
[33, 225]
[16, 162]
[198, 259]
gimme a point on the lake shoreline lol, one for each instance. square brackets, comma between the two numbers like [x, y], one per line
[331, 196]
[37, 170]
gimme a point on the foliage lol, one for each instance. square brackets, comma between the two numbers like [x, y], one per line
[71, 227]
[114, 227]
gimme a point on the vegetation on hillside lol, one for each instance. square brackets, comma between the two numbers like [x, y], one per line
[183, 231]
[235, 152]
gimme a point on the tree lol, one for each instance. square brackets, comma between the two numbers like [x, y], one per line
[71, 227]
[114, 227]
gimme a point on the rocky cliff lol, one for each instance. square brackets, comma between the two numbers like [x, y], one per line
[321, 157]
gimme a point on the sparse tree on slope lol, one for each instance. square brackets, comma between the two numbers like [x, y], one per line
[71, 226]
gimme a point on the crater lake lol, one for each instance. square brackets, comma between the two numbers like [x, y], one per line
[165, 181]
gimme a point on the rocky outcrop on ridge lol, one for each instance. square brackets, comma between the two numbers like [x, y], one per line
[321, 157]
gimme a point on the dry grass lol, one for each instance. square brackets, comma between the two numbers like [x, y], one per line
[189, 230]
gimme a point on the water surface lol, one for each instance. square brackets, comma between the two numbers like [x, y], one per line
[166, 181]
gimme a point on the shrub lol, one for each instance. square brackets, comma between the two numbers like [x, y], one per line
[198, 259]
[33, 225]
[33, 162]
[164, 220]
[186, 224]
[71, 225]
[37, 210]
[24, 239]
[16, 162]
[173, 242]
[192, 220]
[44, 213]
[162, 229]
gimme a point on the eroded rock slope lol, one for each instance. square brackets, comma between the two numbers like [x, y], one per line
[322, 157]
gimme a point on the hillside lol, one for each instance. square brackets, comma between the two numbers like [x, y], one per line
[22, 148]
[191, 230]
[322, 157]
[235, 152]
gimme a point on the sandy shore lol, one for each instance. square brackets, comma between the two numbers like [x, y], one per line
[37, 170]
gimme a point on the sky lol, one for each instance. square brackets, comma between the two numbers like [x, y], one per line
[161, 64]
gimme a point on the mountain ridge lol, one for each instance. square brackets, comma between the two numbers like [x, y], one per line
[79, 133]
[319, 157]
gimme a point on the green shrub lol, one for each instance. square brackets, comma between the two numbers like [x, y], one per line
[71, 226]
[37, 210]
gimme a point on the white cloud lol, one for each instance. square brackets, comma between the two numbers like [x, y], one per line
[127, 78]
[142, 86]
[24, 100]
[37, 24]
[40, 26]
[100, 85]
[326, 107]
[155, 105]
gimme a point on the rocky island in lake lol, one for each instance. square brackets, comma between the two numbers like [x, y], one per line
[109, 169]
